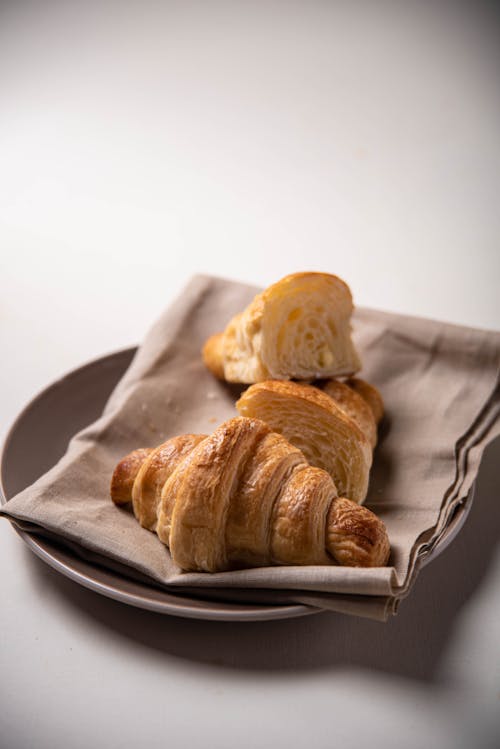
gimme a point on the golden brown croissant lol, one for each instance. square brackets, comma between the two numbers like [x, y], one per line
[360, 401]
[297, 328]
[335, 436]
[244, 496]
[370, 394]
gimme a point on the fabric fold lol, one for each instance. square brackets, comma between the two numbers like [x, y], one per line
[440, 387]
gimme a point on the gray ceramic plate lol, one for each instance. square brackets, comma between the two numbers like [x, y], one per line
[37, 440]
[39, 437]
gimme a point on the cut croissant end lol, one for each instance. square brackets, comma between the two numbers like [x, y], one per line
[298, 328]
[314, 423]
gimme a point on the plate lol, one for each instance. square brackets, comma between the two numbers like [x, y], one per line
[38, 439]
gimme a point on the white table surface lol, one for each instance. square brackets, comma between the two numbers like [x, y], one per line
[142, 143]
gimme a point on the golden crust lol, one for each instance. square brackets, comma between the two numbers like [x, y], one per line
[245, 496]
[153, 474]
[212, 355]
[299, 521]
[313, 422]
[370, 394]
[297, 328]
[124, 475]
[249, 520]
[355, 406]
[356, 537]
[198, 533]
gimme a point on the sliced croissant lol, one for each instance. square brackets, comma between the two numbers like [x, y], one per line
[298, 328]
[313, 422]
[354, 405]
[370, 394]
[245, 497]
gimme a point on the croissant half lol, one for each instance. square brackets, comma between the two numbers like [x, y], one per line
[369, 393]
[323, 429]
[244, 496]
[298, 328]
[354, 405]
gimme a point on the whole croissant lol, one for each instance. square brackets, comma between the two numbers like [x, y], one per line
[244, 496]
[297, 328]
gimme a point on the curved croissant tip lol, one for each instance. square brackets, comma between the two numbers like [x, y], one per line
[356, 537]
[124, 475]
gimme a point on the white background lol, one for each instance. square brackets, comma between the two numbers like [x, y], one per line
[143, 142]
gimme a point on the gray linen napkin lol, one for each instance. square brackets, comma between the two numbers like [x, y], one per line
[441, 390]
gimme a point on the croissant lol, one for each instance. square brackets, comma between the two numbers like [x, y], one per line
[244, 496]
[360, 401]
[298, 328]
[335, 436]
[370, 394]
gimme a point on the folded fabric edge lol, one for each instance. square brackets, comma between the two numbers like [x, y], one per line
[201, 280]
[182, 582]
[459, 496]
[377, 608]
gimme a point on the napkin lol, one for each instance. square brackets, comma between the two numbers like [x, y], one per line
[440, 385]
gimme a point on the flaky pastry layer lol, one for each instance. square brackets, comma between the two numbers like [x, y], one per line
[298, 328]
[313, 422]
